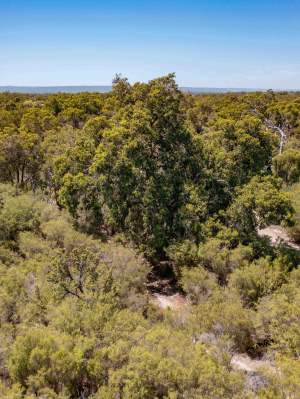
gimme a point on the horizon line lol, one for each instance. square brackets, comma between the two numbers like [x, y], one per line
[4, 88]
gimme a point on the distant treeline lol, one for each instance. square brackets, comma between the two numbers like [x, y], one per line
[105, 89]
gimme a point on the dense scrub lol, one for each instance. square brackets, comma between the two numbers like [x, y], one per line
[100, 191]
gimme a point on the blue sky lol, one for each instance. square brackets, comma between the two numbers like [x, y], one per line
[209, 43]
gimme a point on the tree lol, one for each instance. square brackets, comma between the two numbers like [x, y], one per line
[197, 283]
[278, 318]
[142, 166]
[280, 117]
[257, 204]
[287, 166]
[258, 279]
[234, 151]
[20, 157]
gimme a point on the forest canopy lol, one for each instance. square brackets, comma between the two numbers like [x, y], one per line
[109, 199]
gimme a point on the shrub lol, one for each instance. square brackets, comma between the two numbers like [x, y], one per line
[197, 283]
[257, 280]
[287, 166]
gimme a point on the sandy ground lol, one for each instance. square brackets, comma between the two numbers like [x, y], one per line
[278, 234]
[173, 302]
[245, 363]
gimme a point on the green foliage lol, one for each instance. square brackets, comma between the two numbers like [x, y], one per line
[110, 202]
[278, 318]
[20, 156]
[215, 255]
[258, 279]
[189, 370]
[19, 213]
[294, 192]
[197, 283]
[236, 151]
[284, 383]
[287, 166]
[39, 356]
[139, 166]
[258, 204]
[224, 316]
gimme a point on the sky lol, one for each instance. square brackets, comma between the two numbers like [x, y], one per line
[209, 43]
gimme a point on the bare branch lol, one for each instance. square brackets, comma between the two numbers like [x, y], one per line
[271, 125]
